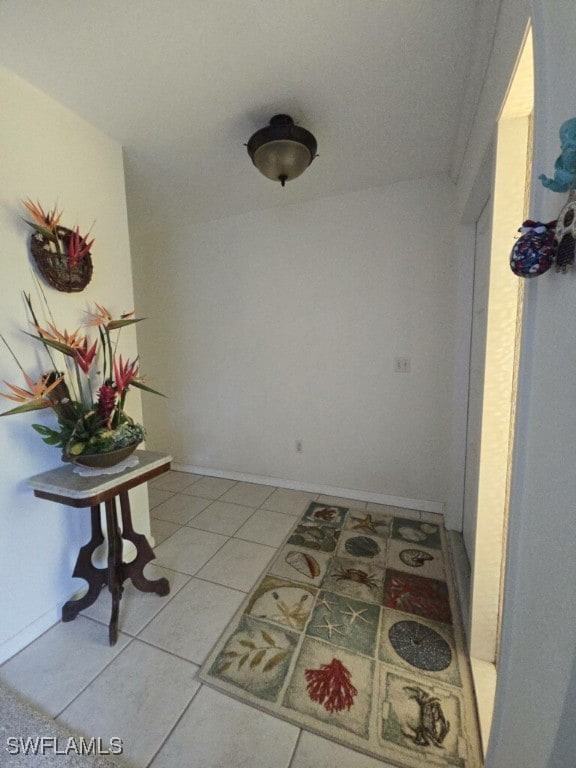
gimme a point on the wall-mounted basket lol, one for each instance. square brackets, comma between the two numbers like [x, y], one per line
[57, 268]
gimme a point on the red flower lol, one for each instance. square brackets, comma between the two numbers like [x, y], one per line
[85, 356]
[106, 402]
[78, 247]
[330, 685]
[125, 373]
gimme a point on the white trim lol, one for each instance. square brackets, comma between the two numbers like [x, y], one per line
[327, 490]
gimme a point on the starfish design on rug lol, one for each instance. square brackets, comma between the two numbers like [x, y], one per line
[322, 601]
[366, 524]
[355, 614]
[330, 627]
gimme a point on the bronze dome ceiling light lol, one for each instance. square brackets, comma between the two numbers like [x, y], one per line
[282, 150]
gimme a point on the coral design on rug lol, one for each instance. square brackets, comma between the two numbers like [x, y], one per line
[418, 595]
[331, 686]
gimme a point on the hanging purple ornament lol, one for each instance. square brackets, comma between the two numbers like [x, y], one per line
[533, 253]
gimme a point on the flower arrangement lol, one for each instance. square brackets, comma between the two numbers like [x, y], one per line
[87, 393]
[47, 224]
[62, 254]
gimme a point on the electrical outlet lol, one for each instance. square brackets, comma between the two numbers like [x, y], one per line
[401, 365]
[299, 446]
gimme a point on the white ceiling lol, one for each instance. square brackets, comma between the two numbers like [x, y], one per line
[182, 84]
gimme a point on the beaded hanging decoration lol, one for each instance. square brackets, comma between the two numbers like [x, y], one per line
[534, 251]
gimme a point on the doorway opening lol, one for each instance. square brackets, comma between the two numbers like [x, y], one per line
[495, 341]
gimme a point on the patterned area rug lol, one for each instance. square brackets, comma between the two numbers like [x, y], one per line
[354, 633]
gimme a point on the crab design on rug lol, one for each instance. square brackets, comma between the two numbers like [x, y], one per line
[433, 727]
[356, 575]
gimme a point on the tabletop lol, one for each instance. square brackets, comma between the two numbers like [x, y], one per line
[64, 485]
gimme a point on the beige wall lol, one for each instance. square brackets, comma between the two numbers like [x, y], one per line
[49, 154]
[283, 325]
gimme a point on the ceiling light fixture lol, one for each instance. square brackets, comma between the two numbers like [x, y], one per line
[282, 150]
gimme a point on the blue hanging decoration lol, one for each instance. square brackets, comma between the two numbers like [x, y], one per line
[534, 251]
[565, 165]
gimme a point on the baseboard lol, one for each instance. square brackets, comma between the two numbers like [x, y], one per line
[462, 577]
[27, 635]
[327, 490]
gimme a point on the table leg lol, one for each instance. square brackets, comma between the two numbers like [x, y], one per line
[115, 568]
[85, 569]
[144, 554]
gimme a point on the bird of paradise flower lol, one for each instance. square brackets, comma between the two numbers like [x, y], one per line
[81, 414]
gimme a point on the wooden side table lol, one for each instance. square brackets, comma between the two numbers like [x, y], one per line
[65, 486]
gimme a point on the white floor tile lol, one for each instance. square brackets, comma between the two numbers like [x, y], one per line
[213, 487]
[266, 527]
[221, 517]
[157, 496]
[238, 564]
[162, 530]
[315, 752]
[288, 501]
[139, 689]
[138, 698]
[137, 608]
[219, 732]
[248, 494]
[174, 481]
[180, 509]
[56, 667]
[188, 549]
[193, 620]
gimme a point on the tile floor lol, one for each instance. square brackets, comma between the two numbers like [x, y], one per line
[213, 539]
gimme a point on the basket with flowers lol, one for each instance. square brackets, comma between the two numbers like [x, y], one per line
[87, 391]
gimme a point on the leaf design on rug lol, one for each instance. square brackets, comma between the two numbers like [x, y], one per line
[331, 686]
[255, 653]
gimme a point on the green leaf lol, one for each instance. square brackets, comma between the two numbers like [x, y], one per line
[146, 388]
[32, 405]
[47, 233]
[269, 639]
[64, 348]
[122, 322]
[42, 430]
[257, 658]
[51, 436]
[274, 661]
